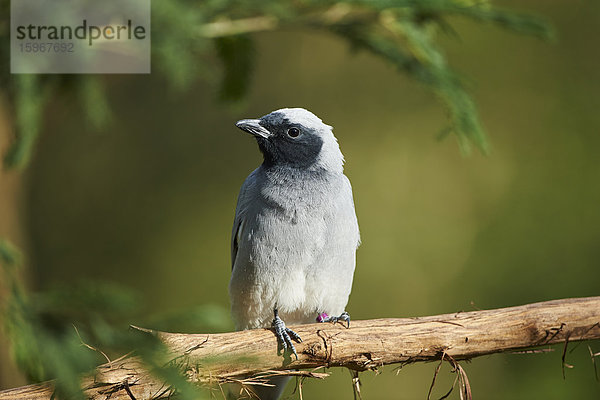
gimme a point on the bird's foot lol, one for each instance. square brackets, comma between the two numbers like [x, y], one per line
[284, 336]
[323, 317]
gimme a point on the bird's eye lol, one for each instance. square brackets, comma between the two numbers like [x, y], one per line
[293, 132]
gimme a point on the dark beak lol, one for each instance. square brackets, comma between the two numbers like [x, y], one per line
[253, 127]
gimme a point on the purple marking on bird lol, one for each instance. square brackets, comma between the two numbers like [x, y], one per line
[322, 317]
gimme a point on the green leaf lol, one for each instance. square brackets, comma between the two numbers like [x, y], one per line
[237, 55]
[10, 256]
[30, 98]
[94, 100]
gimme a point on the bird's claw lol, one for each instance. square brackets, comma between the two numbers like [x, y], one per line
[323, 317]
[284, 336]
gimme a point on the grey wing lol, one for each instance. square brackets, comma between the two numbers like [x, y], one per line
[235, 237]
[243, 203]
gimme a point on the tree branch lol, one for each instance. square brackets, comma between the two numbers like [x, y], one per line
[239, 26]
[340, 13]
[226, 357]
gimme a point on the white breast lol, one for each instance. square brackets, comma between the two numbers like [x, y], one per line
[295, 251]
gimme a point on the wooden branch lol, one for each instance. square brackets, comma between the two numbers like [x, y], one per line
[225, 357]
[336, 14]
[239, 26]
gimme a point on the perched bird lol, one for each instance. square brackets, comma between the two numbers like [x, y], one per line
[295, 233]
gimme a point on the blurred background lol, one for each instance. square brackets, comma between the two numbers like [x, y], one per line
[146, 202]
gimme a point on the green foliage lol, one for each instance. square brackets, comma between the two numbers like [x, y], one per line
[67, 331]
[236, 53]
[42, 348]
[37, 351]
[10, 257]
[426, 64]
[29, 102]
[95, 103]
[176, 45]
[402, 32]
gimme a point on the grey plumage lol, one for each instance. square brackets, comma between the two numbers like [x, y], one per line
[295, 231]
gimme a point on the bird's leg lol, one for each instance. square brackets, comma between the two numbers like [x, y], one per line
[284, 335]
[323, 317]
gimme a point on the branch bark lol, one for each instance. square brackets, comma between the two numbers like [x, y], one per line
[227, 357]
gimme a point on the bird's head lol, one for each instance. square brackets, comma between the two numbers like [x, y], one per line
[296, 138]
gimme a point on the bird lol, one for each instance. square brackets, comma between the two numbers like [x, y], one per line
[295, 232]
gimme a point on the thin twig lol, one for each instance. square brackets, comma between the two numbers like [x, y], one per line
[564, 355]
[593, 358]
[90, 346]
[356, 384]
[435, 374]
